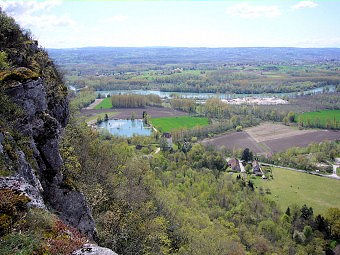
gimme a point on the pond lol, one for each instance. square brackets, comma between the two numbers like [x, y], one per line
[165, 94]
[126, 128]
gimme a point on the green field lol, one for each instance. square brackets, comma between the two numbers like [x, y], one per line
[321, 118]
[168, 124]
[290, 187]
[105, 104]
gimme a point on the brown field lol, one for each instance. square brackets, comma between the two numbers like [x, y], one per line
[125, 113]
[270, 131]
[235, 140]
[269, 137]
[302, 140]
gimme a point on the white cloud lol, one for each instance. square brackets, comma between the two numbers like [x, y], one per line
[33, 13]
[18, 7]
[248, 11]
[115, 19]
[45, 21]
[304, 4]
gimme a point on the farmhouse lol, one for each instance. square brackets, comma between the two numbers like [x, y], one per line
[337, 161]
[168, 137]
[256, 168]
[234, 164]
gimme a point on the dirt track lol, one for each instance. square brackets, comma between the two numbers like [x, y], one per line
[94, 104]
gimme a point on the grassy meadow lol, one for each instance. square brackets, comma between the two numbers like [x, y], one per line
[323, 118]
[105, 104]
[289, 187]
[168, 124]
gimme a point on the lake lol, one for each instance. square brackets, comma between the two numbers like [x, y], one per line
[126, 128]
[165, 94]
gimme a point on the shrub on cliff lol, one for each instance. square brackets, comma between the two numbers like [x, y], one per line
[18, 49]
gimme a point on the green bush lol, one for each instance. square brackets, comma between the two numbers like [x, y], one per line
[20, 244]
[38, 219]
[3, 61]
[13, 205]
[248, 168]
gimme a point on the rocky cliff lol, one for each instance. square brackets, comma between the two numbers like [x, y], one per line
[33, 112]
[42, 178]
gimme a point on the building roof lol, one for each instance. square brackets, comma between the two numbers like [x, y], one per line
[234, 164]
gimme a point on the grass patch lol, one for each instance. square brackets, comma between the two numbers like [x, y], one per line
[326, 118]
[290, 187]
[168, 124]
[105, 104]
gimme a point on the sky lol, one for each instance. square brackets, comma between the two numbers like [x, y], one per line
[200, 23]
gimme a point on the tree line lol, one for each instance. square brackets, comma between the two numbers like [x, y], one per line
[135, 101]
[211, 79]
[307, 158]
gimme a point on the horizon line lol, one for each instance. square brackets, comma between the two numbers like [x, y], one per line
[193, 47]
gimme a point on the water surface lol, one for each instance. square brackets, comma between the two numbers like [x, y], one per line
[126, 128]
[165, 94]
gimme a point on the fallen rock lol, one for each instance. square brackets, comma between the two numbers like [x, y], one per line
[92, 249]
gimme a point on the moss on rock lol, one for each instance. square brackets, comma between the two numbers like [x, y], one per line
[20, 74]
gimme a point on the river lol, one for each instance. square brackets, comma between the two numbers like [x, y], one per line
[202, 96]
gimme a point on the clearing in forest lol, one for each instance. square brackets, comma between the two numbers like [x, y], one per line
[168, 124]
[290, 187]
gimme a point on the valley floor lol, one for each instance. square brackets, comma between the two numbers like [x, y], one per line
[290, 187]
[268, 138]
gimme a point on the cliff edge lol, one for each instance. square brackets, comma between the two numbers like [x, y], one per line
[33, 112]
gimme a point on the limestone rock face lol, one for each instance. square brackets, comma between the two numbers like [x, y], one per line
[92, 249]
[73, 205]
[33, 112]
[21, 185]
[41, 180]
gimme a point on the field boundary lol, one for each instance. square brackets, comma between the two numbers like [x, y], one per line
[94, 104]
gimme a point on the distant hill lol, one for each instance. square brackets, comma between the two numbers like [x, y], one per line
[173, 55]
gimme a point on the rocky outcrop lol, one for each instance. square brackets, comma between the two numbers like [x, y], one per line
[33, 112]
[92, 249]
[21, 185]
[41, 179]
